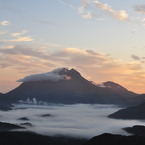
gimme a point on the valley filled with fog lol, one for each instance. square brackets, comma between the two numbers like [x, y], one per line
[78, 120]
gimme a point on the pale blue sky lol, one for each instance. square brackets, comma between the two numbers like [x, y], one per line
[60, 24]
[64, 29]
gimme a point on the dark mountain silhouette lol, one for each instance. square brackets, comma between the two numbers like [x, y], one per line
[139, 99]
[1, 96]
[24, 119]
[30, 138]
[135, 112]
[4, 106]
[116, 88]
[67, 87]
[8, 126]
[110, 139]
[136, 130]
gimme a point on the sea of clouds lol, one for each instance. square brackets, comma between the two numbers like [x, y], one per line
[79, 120]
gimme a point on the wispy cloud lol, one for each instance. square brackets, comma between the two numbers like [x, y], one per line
[21, 39]
[88, 15]
[140, 8]
[16, 36]
[23, 51]
[135, 57]
[94, 9]
[88, 10]
[5, 23]
[24, 59]
[65, 2]
[3, 32]
[119, 14]
[66, 56]
[76, 57]
[19, 33]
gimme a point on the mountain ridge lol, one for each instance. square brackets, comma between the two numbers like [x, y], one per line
[134, 112]
[114, 139]
[66, 87]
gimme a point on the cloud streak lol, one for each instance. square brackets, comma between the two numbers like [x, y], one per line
[94, 9]
[119, 14]
[140, 9]
[19, 34]
[90, 9]
[135, 57]
[21, 39]
[5, 23]
[3, 32]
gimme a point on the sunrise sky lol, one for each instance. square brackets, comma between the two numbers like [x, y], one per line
[103, 39]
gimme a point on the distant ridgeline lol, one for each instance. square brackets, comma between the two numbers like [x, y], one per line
[68, 87]
[134, 112]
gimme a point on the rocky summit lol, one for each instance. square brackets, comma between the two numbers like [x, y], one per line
[67, 87]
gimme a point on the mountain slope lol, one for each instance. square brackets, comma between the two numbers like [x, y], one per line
[64, 86]
[119, 89]
[136, 112]
[139, 99]
[4, 105]
[136, 130]
[1, 94]
[110, 139]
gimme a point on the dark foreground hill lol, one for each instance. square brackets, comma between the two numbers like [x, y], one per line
[136, 112]
[67, 87]
[9, 137]
[110, 139]
[136, 130]
[29, 138]
[8, 126]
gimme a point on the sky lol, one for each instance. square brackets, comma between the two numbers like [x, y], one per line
[102, 39]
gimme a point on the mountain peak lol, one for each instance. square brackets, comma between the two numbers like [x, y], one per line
[73, 73]
[116, 88]
[67, 86]
[64, 71]
[54, 75]
[113, 85]
[60, 71]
